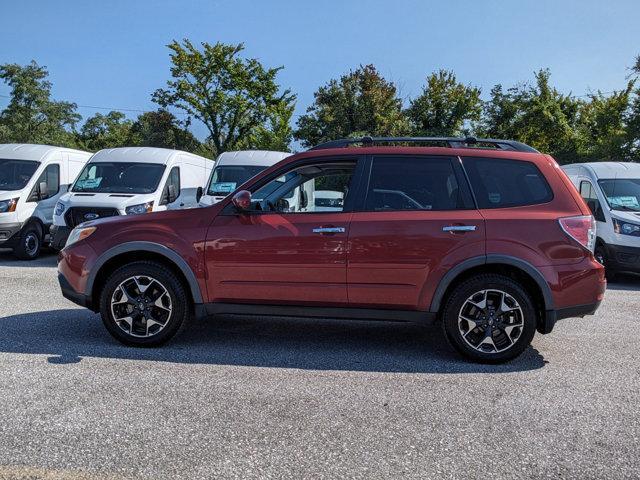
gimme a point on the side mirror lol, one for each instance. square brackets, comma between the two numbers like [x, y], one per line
[172, 194]
[596, 210]
[199, 193]
[43, 191]
[242, 201]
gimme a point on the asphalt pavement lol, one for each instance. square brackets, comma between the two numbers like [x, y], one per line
[240, 397]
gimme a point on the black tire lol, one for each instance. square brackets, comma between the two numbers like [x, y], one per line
[29, 243]
[601, 256]
[512, 348]
[177, 319]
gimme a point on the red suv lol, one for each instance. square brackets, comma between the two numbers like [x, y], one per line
[489, 237]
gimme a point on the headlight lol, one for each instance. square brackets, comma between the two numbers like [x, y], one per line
[79, 233]
[8, 205]
[138, 209]
[59, 210]
[625, 228]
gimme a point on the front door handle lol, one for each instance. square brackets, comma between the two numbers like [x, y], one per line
[323, 230]
[460, 228]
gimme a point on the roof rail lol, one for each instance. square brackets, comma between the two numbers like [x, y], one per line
[451, 142]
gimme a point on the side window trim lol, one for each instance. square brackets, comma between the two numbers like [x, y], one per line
[359, 161]
[469, 202]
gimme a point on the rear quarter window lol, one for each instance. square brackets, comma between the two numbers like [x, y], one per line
[503, 183]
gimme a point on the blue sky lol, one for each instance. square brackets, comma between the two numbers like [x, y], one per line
[113, 53]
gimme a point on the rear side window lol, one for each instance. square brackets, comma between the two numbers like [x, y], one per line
[501, 183]
[413, 183]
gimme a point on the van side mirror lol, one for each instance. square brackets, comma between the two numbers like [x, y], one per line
[199, 193]
[596, 209]
[242, 201]
[172, 193]
[43, 191]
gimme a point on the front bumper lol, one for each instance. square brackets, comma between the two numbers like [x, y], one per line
[9, 234]
[622, 258]
[70, 294]
[59, 236]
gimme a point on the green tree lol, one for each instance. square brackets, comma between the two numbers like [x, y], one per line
[360, 103]
[31, 115]
[275, 134]
[632, 119]
[444, 107]
[105, 131]
[162, 129]
[234, 97]
[602, 129]
[537, 114]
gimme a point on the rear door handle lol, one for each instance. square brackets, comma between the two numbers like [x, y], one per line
[460, 228]
[329, 230]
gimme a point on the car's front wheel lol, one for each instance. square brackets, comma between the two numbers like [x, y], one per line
[29, 244]
[144, 304]
[489, 318]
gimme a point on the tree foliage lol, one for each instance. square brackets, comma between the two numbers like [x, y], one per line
[31, 115]
[234, 97]
[444, 107]
[162, 129]
[105, 131]
[360, 103]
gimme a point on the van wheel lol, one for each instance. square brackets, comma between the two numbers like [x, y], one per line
[29, 244]
[489, 319]
[144, 304]
[601, 256]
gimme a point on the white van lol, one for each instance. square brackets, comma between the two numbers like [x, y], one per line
[130, 181]
[234, 168]
[32, 179]
[612, 192]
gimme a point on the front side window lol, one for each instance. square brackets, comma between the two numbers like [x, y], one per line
[51, 177]
[15, 174]
[413, 183]
[502, 183]
[622, 193]
[307, 189]
[119, 177]
[226, 178]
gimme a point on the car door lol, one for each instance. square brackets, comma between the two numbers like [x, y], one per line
[285, 250]
[417, 221]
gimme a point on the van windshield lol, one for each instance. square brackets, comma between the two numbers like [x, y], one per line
[119, 177]
[622, 193]
[226, 178]
[15, 174]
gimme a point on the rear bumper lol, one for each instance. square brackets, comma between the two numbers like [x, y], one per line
[622, 258]
[59, 236]
[9, 234]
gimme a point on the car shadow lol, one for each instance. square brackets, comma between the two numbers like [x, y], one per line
[47, 258]
[625, 282]
[68, 336]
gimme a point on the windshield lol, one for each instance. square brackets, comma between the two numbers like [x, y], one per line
[15, 174]
[119, 177]
[622, 193]
[226, 178]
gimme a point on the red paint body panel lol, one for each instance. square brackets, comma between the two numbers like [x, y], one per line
[275, 258]
[394, 257]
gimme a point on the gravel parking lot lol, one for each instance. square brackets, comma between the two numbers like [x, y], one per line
[266, 397]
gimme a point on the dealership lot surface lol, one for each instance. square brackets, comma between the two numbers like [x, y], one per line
[267, 397]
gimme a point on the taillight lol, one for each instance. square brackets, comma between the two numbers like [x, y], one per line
[582, 229]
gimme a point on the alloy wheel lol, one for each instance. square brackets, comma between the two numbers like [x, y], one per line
[490, 321]
[31, 244]
[141, 306]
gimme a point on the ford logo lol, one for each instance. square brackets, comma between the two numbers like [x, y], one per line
[91, 216]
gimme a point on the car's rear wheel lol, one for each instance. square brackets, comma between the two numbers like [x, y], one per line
[29, 244]
[489, 318]
[144, 304]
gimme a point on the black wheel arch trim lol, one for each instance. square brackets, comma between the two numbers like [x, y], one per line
[153, 247]
[491, 259]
